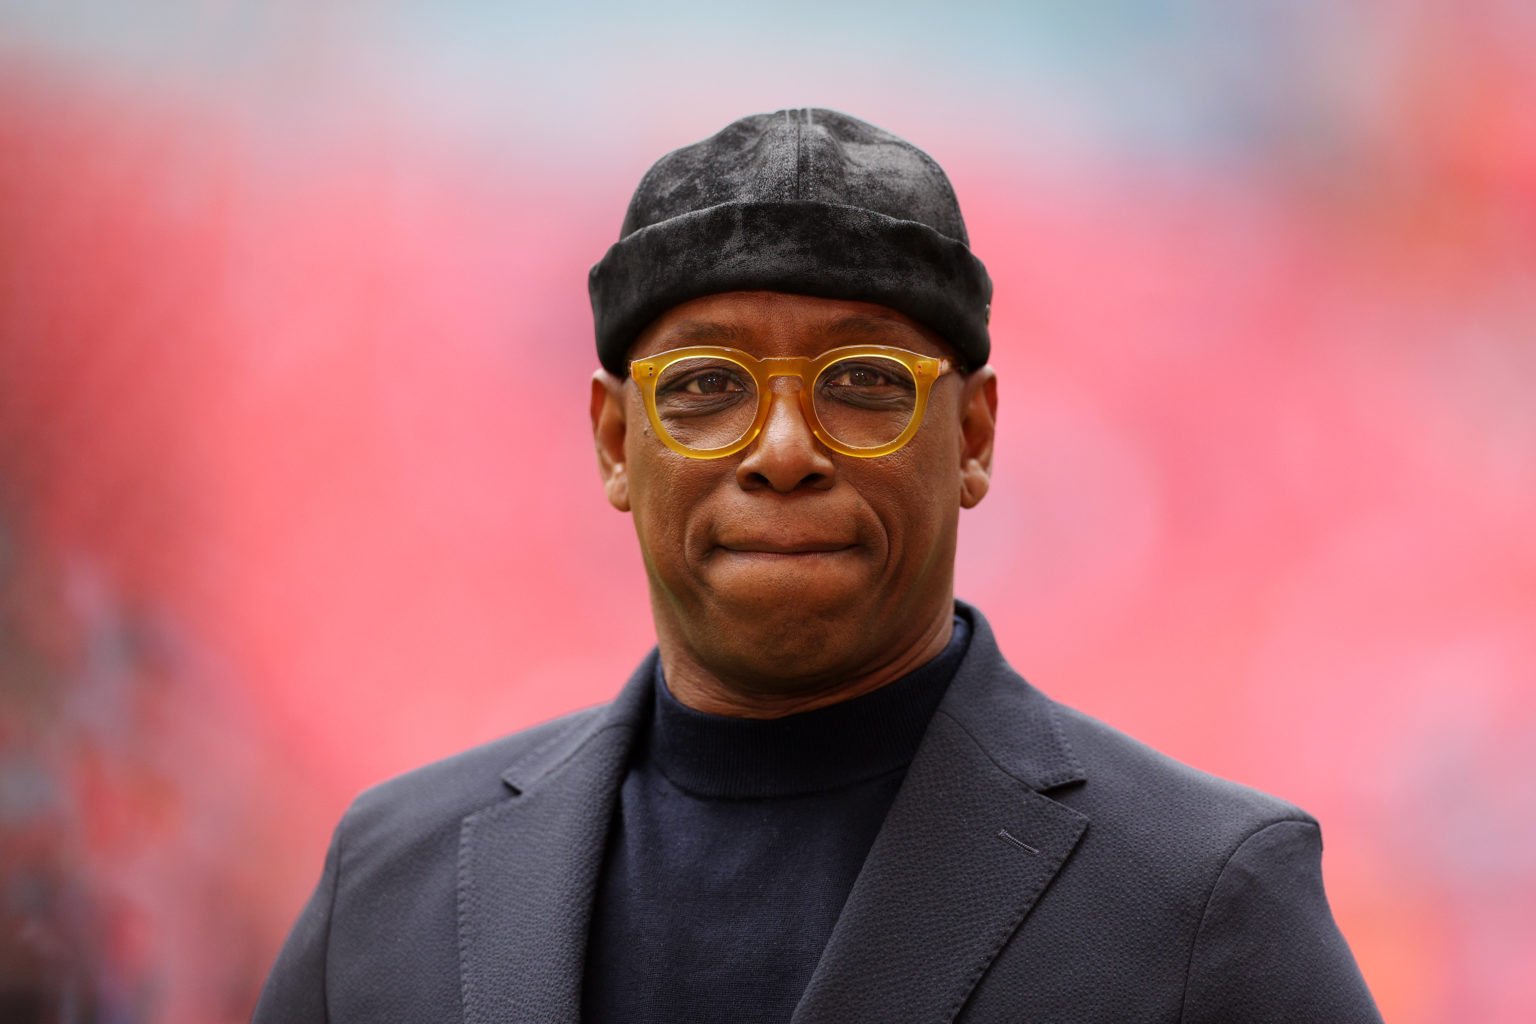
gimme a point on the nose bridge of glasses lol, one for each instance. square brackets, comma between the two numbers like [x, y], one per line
[785, 383]
[778, 370]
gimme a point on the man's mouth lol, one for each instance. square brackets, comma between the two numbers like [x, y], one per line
[777, 546]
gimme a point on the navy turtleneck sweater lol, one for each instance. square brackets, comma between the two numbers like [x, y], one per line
[734, 846]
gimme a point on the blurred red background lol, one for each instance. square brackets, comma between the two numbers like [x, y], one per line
[284, 509]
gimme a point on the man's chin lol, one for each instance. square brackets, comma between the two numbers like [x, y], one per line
[801, 583]
[780, 644]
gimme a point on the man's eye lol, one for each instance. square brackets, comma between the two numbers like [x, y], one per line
[862, 376]
[712, 382]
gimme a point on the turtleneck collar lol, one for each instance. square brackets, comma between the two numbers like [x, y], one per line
[838, 745]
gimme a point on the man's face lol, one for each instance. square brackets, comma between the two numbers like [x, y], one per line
[789, 568]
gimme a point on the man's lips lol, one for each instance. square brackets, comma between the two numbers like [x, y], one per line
[769, 546]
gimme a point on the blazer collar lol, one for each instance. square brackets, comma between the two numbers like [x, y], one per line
[1014, 723]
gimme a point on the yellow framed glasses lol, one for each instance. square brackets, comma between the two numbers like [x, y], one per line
[861, 400]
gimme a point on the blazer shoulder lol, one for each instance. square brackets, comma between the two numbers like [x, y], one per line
[441, 793]
[1131, 784]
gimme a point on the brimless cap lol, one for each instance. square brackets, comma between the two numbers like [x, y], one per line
[805, 201]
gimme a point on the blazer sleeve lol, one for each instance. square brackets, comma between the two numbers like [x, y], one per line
[295, 990]
[1268, 949]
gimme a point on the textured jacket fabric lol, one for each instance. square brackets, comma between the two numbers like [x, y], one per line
[1036, 866]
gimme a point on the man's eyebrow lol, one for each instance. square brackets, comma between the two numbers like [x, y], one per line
[703, 331]
[864, 324]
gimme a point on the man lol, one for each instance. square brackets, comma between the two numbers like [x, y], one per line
[825, 797]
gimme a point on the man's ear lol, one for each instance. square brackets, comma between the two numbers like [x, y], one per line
[608, 429]
[978, 429]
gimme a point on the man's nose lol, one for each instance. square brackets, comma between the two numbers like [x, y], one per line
[786, 456]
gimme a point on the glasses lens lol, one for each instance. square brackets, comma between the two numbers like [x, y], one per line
[706, 403]
[865, 401]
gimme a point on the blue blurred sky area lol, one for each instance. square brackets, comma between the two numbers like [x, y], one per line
[1174, 86]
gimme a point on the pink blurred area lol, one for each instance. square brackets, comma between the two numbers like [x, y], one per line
[297, 491]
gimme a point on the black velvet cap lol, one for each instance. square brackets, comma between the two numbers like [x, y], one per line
[806, 201]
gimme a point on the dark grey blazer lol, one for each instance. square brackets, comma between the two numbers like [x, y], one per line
[1037, 866]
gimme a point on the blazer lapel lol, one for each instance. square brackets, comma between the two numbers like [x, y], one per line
[969, 846]
[528, 869]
